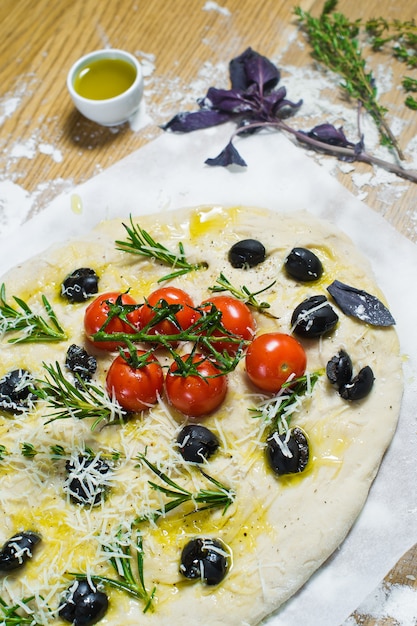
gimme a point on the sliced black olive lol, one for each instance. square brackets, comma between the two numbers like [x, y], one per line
[359, 387]
[83, 604]
[205, 559]
[247, 253]
[287, 454]
[80, 362]
[17, 550]
[339, 369]
[314, 317]
[80, 285]
[197, 443]
[87, 480]
[302, 264]
[16, 391]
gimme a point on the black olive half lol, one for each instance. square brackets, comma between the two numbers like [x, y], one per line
[197, 443]
[287, 454]
[79, 362]
[87, 480]
[205, 559]
[339, 369]
[17, 550]
[314, 317]
[83, 604]
[247, 253]
[16, 391]
[302, 264]
[80, 285]
[360, 386]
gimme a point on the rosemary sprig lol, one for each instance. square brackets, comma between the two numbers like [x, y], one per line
[200, 333]
[121, 560]
[220, 497]
[243, 293]
[3, 452]
[9, 615]
[139, 241]
[86, 400]
[31, 326]
[278, 410]
[334, 41]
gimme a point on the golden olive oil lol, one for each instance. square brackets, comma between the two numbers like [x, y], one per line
[104, 78]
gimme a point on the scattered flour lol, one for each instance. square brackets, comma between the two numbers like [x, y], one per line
[213, 6]
[389, 602]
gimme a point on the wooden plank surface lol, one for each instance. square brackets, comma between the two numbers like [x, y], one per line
[45, 145]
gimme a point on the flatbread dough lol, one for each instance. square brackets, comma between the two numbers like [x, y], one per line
[279, 530]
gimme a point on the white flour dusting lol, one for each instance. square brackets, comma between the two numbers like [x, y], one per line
[396, 603]
[213, 6]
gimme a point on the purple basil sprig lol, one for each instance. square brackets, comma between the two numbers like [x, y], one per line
[255, 101]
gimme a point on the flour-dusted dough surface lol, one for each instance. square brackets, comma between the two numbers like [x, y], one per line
[279, 530]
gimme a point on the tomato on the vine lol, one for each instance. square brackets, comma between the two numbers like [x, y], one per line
[185, 317]
[196, 394]
[274, 358]
[96, 314]
[236, 318]
[135, 388]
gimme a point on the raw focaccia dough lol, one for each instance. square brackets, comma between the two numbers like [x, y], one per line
[280, 530]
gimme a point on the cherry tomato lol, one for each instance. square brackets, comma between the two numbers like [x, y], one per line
[185, 317]
[236, 318]
[135, 389]
[272, 358]
[96, 315]
[198, 394]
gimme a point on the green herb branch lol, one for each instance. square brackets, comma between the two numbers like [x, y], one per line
[10, 615]
[243, 293]
[121, 560]
[334, 41]
[140, 242]
[278, 410]
[220, 497]
[86, 400]
[205, 333]
[29, 326]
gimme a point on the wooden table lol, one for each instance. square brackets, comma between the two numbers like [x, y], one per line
[46, 145]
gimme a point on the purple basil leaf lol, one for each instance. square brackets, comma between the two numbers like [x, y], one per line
[252, 68]
[226, 100]
[195, 120]
[360, 304]
[228, 156]
[327, 133]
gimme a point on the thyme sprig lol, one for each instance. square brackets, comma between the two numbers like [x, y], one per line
[204, 499]
[278, 410]
[30, 327]
[243, 293]
[121, 559]
[401, 34]
[334, 41]
[86, 400]
[140, 242]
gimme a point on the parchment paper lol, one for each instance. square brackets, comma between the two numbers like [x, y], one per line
[170, 172]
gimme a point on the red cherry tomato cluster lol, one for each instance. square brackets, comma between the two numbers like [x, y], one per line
[271, 359]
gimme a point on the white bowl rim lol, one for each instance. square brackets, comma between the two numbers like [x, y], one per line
[116, 53]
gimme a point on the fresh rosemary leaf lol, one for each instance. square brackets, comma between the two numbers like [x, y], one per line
[86, 400]
[243, 293]
[140, 242]
[131, 582]
[29, 327]
[278, 410]
[221, 497]
[11, 615]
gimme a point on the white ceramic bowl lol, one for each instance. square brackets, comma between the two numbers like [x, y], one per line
[109, 111]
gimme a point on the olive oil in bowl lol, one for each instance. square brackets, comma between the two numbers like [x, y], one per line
[104, 78]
